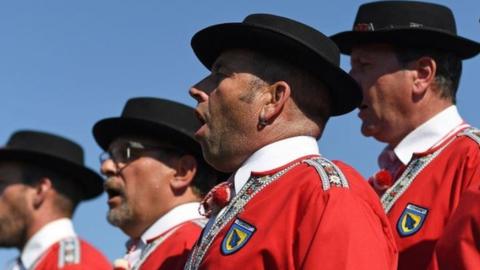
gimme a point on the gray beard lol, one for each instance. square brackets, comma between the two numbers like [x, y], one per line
[121, 216]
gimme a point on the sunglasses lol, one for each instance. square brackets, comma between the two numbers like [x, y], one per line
[129, 151]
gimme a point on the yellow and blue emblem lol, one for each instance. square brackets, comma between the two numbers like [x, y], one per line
[237, 236]
[411, 220]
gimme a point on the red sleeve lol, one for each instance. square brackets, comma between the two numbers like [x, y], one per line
[352, 231]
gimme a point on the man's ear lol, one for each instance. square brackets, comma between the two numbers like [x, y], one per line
[186, 168]
[275, 97]
[42, 188]
[425, 71]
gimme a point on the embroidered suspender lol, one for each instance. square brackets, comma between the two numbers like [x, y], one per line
[329, 173]
[408, 176]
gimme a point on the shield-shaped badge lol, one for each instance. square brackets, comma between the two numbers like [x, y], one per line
[237, 236]
[411, 220]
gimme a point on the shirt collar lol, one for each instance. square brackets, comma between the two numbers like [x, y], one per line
[428, 134]
[172, 218]
[45, 238]
[275, 155]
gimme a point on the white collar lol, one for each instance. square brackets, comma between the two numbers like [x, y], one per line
[274, 156]
[172, 218]
[45, 238]
[429, 134]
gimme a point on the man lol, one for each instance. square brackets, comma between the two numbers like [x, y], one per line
[155, 180]
[407, 57]
[42, 180]
[273, 85]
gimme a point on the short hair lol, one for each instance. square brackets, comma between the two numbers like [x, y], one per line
[65, 186]
[308, 91]
[449, 67]
[205, 177]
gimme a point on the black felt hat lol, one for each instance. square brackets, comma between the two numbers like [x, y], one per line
[56, 153]
[407, 23]
[161, 119]
[286, 39]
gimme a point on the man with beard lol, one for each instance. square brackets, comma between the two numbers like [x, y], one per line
[274, 83]
[155, 179]
[42, 180]
[408, 57]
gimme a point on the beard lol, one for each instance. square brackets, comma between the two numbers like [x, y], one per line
[121, 216]
[13, 224]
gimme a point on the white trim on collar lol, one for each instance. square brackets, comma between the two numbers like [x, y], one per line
[42, 240]
[274, 156]
[428, 134]
[172, 218]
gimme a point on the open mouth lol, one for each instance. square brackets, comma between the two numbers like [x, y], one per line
[112, 192]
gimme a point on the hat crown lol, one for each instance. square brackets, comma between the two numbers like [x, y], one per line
[47, 144]
[301, 32]
[161, 111]
[389, 15]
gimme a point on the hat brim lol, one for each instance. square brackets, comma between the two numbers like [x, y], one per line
[415, 38]
[210, 42]
[90, 182]
[107, 130]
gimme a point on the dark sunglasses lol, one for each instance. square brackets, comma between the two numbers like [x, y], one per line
[130, 151]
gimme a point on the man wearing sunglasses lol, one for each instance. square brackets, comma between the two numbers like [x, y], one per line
[155, 179]
[42, 181]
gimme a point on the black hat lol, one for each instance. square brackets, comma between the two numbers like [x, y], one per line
[157, 118]
[407, 23]
[289, 40]
[56, 153]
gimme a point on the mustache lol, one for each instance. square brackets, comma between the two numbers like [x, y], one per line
[112, 188]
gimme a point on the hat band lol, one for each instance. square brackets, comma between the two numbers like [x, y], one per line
[370, 27]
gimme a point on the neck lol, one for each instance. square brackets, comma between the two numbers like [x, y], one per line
[420, 115]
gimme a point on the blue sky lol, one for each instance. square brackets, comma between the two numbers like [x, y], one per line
[66, 64]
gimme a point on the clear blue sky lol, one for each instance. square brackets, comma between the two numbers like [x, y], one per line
[66, 64]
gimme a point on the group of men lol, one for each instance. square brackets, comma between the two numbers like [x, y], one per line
[243, 186]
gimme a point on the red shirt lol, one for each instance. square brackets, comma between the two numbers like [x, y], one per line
[294, 223]
[72, 254]
[421, 213]
[459, 246]
[172, 252]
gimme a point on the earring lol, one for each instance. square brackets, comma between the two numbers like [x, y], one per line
[262, 122]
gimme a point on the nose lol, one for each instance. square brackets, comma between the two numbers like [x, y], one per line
[198, 94]
[108, 168]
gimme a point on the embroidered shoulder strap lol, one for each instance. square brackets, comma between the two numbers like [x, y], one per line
[69, 251]
[472, 133]
[329, 173]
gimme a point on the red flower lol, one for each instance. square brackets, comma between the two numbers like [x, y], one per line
[217, 198]
[384, 178]
[381, 181]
